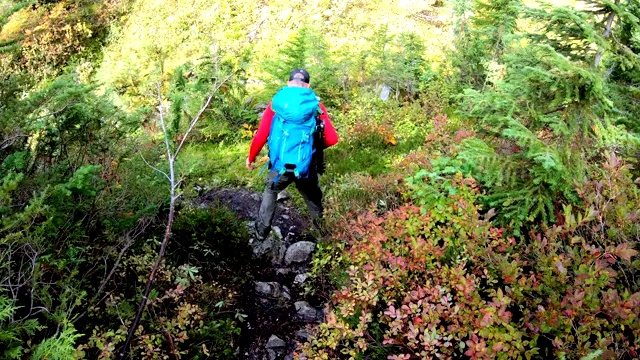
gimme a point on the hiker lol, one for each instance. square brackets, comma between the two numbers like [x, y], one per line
[290, 123]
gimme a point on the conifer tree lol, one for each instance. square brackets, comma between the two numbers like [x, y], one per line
[396, 61]
[483, 37]
[541, 124]
[621, 65]
[603, 37]
[308, 50]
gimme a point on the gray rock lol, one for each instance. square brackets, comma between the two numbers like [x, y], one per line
[265, 302]
[385, 91]
[286, 217]
[271, 355]
[275, 342]
[261, 248]
[269, 289]
[286, 293]
[300, 279]
[299, 252]
[305, 311]
[278, 254]
[283, 271]
[283, 195]
[302, 335]
[256, 197]
[275, 347]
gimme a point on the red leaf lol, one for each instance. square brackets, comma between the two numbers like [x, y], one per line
[625, 252]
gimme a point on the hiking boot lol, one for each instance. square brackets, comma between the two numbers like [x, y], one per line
[259, 235]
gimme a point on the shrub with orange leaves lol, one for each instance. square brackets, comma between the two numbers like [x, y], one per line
[412, 287]
[52, 34]
[438, 280]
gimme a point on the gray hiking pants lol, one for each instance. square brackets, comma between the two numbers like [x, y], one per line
[309, 189]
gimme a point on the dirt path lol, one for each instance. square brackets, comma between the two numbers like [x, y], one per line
[276, 304]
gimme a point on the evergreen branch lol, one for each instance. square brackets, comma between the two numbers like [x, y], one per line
[54, 113]
[197, 117]
[521, 134]
[9, 46]
[15, 8]
[556, 109]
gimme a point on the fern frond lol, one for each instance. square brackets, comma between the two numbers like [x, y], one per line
[488, 166]
[59, 347]
[6, 308]
[594, 355]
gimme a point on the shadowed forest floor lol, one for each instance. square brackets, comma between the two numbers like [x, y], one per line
[278, 313]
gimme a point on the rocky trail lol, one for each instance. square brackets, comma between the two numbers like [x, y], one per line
[278, 309]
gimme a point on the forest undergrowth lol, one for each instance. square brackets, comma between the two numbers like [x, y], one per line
[483, 201]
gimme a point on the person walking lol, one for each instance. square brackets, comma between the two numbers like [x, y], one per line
[297, 129]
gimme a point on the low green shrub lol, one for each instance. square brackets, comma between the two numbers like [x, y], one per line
[193, 307]
[213, 239]
[12, 332]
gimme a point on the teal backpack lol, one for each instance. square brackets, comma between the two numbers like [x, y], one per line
[292, 130]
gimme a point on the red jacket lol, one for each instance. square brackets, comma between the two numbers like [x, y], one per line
[330, 134]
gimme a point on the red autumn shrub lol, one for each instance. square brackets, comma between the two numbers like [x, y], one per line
[441, 281]
[411, 289]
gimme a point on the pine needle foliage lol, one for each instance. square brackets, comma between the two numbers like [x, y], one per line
[59, 347]
[396, 61]
[15, 6]
[228, 110]
[543, 119]
[622, 63]
[11, 332]
[600, 37]
[483, 37]
[9, 46]
[308, 50]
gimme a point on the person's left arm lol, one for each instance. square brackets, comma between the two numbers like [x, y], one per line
[330, 133]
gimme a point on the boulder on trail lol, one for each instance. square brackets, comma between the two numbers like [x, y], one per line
[305, 311]
[299, 252]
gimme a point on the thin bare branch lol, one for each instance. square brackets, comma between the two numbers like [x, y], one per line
[8, 142]
[172, 205]
[154, 168]
[129, 237]
[154, 269]
[172, 347]
[53, 113]
[164, 128]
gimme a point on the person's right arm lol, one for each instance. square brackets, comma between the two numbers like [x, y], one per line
[261, 136]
